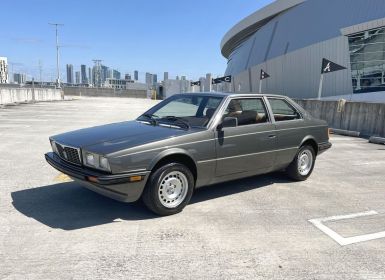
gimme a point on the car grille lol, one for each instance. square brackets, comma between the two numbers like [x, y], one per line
[69, 154]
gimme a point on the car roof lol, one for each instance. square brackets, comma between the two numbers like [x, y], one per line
[232, 94]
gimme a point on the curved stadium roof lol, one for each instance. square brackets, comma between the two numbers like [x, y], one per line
[252, 23]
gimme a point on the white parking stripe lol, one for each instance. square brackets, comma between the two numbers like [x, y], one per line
[350, 240]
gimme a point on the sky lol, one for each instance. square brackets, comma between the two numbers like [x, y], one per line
[179, 36]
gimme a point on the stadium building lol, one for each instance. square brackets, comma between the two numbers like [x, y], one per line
[288, 39]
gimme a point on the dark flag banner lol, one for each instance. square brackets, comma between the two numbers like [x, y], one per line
[226, 79]
[263, 75]
[329, 66]
[198, 83]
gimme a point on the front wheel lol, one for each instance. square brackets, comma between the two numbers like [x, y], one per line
[169, 189]
[303, 164]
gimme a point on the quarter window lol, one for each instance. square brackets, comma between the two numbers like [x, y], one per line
[247, 111]
[283, 111]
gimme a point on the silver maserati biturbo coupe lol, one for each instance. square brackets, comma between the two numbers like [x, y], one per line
[188, 141]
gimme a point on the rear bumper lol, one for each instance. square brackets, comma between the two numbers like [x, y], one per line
[117, 186]
[324, 147]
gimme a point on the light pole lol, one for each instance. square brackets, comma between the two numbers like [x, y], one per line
[57, 53]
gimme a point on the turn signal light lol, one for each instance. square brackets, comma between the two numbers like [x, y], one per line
[135, 178]
[92, 179]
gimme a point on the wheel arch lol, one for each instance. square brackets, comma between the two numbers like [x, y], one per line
[175, 155]
[310, 140]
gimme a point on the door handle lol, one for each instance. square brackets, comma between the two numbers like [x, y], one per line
[272, 136]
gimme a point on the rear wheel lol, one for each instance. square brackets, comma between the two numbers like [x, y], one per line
[169, 189]
[303, 164]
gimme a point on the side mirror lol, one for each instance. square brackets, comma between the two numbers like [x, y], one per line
[228, 122]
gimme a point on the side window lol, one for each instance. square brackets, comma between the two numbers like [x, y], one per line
[283, 111]
[247, 111]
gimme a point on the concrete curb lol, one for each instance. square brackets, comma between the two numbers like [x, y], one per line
[377, 140]
[346, 132]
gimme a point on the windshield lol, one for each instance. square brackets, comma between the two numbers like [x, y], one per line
[183, 111]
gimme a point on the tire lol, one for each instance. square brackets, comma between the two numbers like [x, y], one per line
[169, 189]
[303, 164]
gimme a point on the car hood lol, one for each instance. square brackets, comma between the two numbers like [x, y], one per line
[125, 134]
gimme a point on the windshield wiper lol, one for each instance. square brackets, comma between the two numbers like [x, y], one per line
[151, 117]
[178, 121]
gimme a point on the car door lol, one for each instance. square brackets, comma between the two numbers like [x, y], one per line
[248, 147]
[289, 129]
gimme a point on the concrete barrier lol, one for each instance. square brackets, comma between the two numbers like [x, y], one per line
[377, 140]
[367, 119]
[346, 132]
[13, 95]
[104, 92]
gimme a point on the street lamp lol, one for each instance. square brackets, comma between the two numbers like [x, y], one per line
[57, 53]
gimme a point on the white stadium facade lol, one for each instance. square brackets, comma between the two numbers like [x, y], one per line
[289, 38]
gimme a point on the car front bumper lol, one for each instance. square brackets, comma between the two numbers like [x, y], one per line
[115, 186]
[323, 147]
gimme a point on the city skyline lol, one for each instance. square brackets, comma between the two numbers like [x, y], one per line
[178, 49]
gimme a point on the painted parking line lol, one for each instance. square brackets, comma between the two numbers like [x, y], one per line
[62, 178]
[349, 240]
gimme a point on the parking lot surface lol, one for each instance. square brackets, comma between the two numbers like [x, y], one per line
[256, 228]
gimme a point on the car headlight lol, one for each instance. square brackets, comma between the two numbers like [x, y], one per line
[90, 159]
[96, 161]
[103, 163]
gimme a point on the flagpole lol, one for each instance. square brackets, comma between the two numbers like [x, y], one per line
[320, 86]
[260, 86]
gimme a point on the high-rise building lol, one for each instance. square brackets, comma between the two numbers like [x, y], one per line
[154, 79]
[19, 78]
[165, 76]
[183, 78]
[83, 71]
[127, 77]
[136, 75]
[110, 74]
[70, 74]
[104, 73]
[116, 74]
[97, 73]
[148, 78]
[77, 77]
[4, 70]
[90, 81]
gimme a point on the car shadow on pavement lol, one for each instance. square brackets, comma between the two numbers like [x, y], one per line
[238, 186]
[69, 206]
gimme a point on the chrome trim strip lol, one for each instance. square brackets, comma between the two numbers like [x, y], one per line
[246, 155]
[268, 131]
[135, 171]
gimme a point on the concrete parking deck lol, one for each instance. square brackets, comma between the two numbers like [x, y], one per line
[256, 228]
